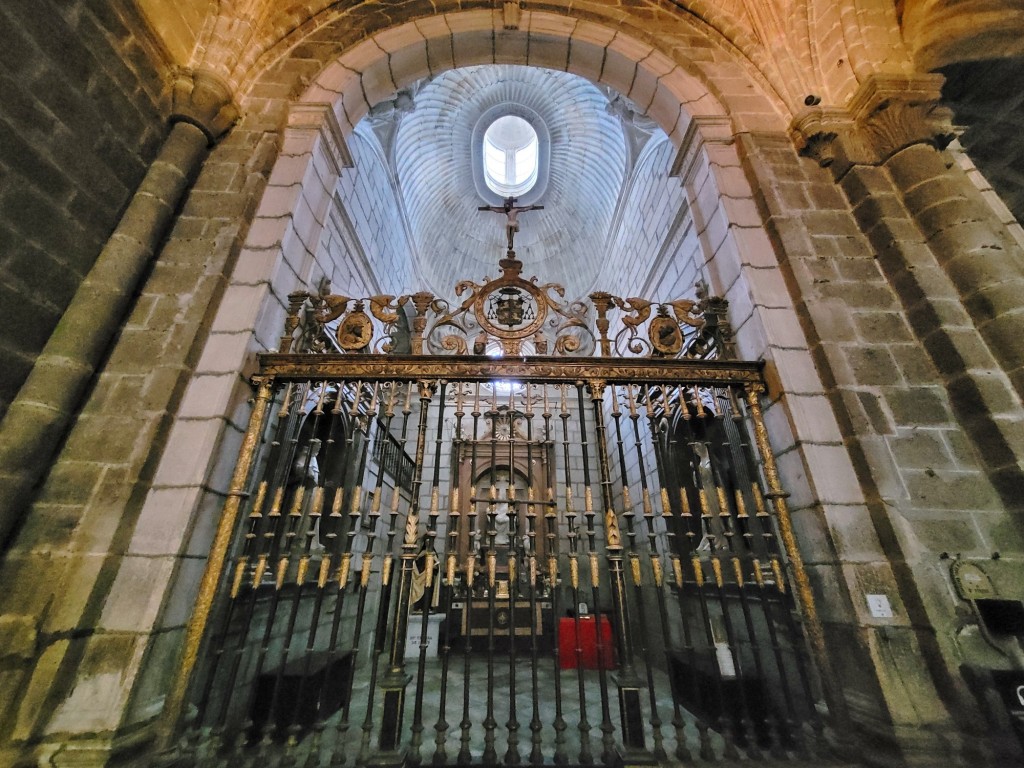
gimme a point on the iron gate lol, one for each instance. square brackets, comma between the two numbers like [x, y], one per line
[544, 558]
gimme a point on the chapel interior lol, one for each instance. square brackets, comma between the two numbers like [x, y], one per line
[389, 383]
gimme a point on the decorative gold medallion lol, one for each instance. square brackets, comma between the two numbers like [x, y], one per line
[665, 335]
[355, 332]
[510, 307]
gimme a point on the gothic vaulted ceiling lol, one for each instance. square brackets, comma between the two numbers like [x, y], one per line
[433, 156]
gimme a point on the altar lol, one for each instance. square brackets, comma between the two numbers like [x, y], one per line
[519, 619]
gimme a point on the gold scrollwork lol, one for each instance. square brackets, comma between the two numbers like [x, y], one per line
[509, 313]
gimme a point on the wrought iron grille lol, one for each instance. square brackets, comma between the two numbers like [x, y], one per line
[591, 560]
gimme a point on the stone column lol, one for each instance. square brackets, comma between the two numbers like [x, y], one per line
[895, 122]
[957, 268]
[44, 408]
[947, 258]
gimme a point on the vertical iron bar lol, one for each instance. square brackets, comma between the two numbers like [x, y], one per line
[451, 561]
[665, 471]
[789, 724]
[767, 721]
[512, 756]
[771, 720]
[263, 532]
[792, 631]
[536, 754]
[723, 721]
[585, 756]
[250, 545]
[380, 631]
[635, 568]
[355, 516]
[296, 517]
[322, 579]
[815, 633]
[324, 576]
[414, 757]
[278, 543]
[613, 549]
[383, 431]
[395, 679]
[343, 525]
[215, 565]
[683, 538]
[746, 734]
[551, 537]
[490, 755]
[682, 751]
[685, 520]
[466, 724]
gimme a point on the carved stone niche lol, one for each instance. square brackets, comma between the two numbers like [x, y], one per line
[886, 114]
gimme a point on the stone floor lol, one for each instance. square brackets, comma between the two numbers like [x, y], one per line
[351, 740]
[573, 706]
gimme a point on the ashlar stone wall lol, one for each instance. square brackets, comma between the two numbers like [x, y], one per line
[84, 99]
[920, 493]
[825, 282]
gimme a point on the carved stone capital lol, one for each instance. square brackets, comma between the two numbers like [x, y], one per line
[204, 100]
[886, 114]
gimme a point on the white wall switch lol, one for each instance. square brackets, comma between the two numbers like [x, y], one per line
[879, 606]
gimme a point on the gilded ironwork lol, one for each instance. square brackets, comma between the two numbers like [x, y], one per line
[815, 632]
[217, 562]
[510, 316]
[508, 476]
[615, 370]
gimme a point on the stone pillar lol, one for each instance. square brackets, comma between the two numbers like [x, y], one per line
[896, 123]
[40, 415]
[933, 406]
[958, 269]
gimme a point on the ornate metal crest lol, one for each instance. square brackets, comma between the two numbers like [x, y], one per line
[510, 316]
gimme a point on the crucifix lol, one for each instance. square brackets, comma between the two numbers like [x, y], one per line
[511, 211]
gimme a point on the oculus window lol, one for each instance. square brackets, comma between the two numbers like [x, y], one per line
[510, 156]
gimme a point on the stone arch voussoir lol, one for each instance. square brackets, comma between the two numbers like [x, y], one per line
[683, 74]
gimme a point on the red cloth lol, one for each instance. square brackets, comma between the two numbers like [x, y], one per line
[588, 643]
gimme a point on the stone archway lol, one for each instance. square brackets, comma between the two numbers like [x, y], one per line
[738, 252]
[713, 163]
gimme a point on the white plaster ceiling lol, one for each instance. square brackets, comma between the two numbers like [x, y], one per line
[565, 242]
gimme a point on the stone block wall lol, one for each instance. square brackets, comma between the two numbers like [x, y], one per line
[860, 277]
[370, 201]
[976, 90]
[84, 94]
[654, 252]
[106, 551]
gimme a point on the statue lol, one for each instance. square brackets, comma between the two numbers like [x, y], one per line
[511, 211]
[480, 343]
[501, 525]
[305, 469]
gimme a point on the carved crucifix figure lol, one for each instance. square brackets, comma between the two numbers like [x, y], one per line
[511, 211]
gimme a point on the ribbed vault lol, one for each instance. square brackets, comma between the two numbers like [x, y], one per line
[563, 243]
